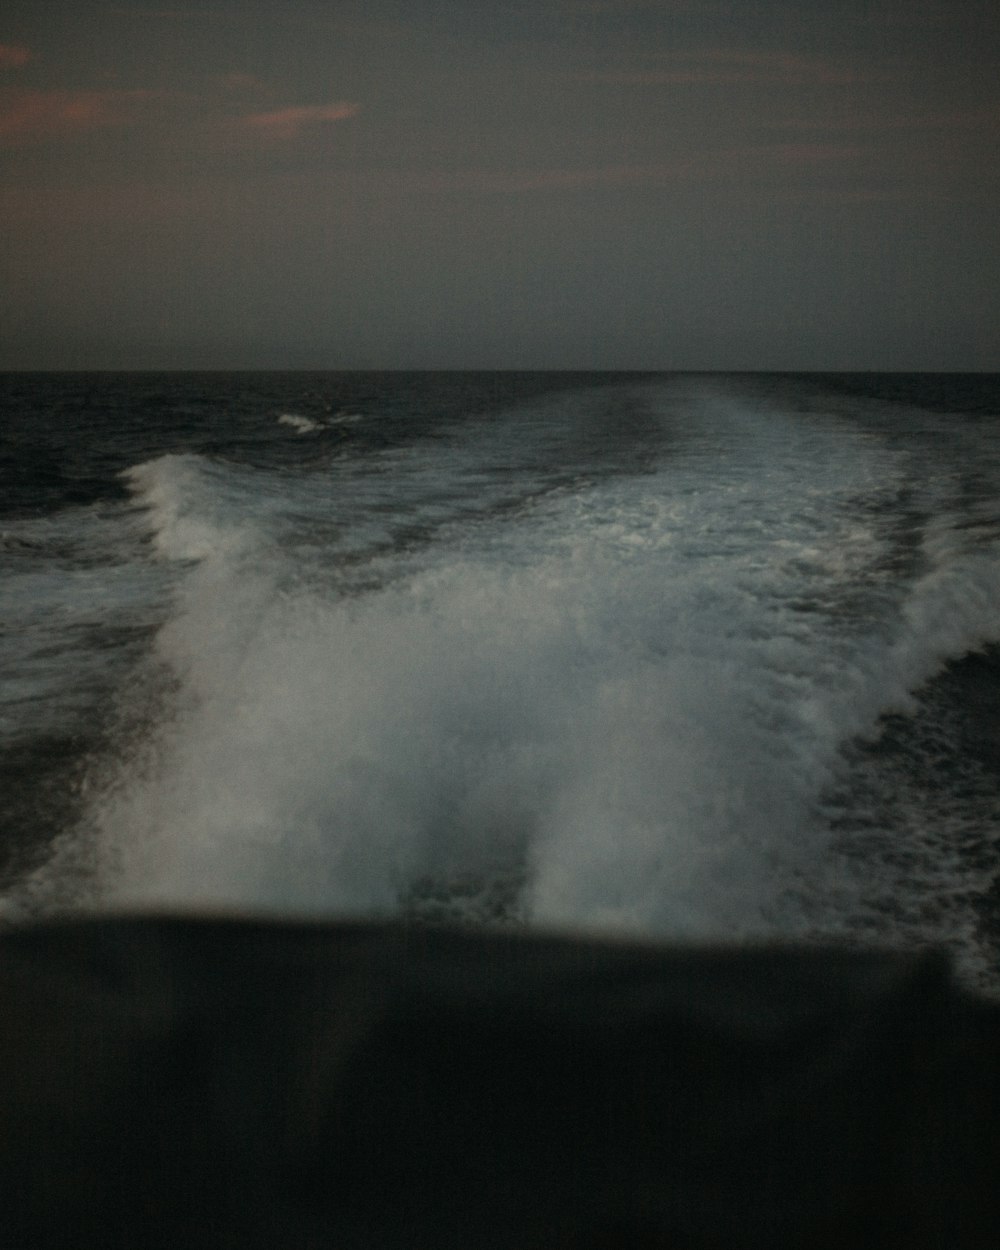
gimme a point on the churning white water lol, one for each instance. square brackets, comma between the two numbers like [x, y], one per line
[490, 677]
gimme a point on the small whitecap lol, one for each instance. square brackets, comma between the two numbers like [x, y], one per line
[301, 425]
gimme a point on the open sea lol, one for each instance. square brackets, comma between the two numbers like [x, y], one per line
[683, 656]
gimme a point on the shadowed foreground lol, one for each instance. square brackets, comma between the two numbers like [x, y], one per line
[177, 1082]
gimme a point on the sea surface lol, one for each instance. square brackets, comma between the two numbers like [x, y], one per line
[685, 656]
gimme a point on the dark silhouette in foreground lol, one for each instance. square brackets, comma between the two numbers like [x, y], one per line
[184, 1082]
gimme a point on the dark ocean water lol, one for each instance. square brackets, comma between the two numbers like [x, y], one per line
[686, 656]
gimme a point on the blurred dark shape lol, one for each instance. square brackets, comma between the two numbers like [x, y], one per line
[185, 1082]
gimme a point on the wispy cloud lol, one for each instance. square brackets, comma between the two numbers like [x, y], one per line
[32, 116]
[724, 163]
[724, 67]
[800, 153]
[968, 120]
[519, 180]
[40, 116]
[617, 8]
[13, 55]
[170, 14]
[288, 123]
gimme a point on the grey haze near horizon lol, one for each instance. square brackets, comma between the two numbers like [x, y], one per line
[613, 184]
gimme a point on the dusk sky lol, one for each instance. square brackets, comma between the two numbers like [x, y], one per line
[565, 184]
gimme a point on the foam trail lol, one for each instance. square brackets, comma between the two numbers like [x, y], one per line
[624, 705]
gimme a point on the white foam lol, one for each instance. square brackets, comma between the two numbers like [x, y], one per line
[191, 514]
[634, 694]
[300, 424]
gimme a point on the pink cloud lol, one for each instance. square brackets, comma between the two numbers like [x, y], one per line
[182, 14]
[560, 179]
[31, 116]
[513, 181]
[779, 66]
[726, 67]
[616, 8]
[287, 123]
[13, 56]
[708, 165]
[970, 120]
[799, 153]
